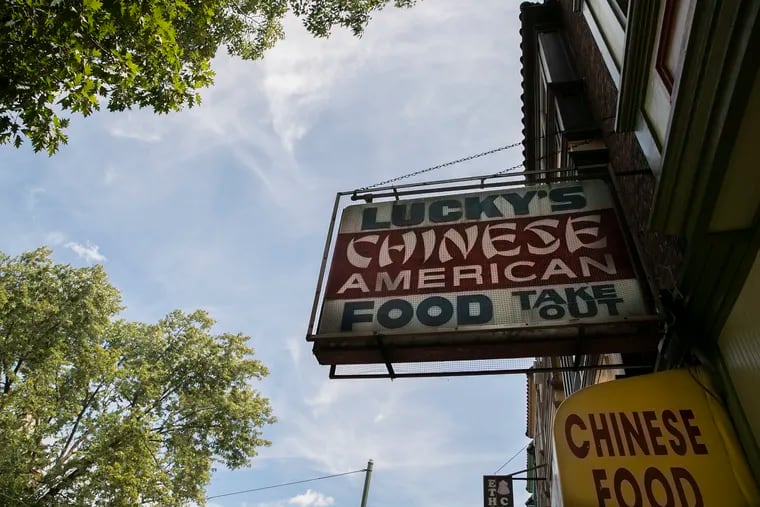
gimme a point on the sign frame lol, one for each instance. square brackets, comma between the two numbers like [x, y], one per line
[487, 342]
[492, 496]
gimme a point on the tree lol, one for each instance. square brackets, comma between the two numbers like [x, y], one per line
[99, 411]
[71, 55]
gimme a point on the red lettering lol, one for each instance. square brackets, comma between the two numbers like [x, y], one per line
[654, 433]
[652, 475]
[678, 443]
[580, 451]
[616, 432]
[602, 492]
[693, 432]
[680, 475]
[634, 433]
[623, 475]
[601, 434]
[656, 488]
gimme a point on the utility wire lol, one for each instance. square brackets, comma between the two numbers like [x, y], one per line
[513, 457]
[284, 484]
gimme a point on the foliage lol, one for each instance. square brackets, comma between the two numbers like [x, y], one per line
[98, 411]
[71, 55]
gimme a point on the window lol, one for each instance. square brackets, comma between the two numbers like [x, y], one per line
[672, 40]
[559, 92]
[607, 22]
[620, 9]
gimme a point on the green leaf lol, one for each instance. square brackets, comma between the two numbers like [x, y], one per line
[92, 5]
[151, 53]
[99, 411]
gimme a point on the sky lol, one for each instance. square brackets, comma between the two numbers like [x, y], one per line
[225, 207]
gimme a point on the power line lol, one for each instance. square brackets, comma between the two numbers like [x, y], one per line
[285, 484]
[513, 457]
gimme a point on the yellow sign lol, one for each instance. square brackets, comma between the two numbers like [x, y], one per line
[655, 440]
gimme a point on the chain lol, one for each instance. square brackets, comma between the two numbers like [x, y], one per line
[509, 169]
[439, 166]
[471, 157]
[551, 155]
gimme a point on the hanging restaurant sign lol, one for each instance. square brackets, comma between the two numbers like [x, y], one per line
[506, 263]
[497, 491]
[651, 440]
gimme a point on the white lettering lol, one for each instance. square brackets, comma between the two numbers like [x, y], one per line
[354, 258]
[428, 241]
[403, 280]
[558, 267]
[608, 267]
[549, 240]
[494, 273]
[410, 241]
[458, 240]
[431, 278]
[509, 271]
[355, 281]
[572, 236]
[541, 237]
[489, 248]
[468, 272]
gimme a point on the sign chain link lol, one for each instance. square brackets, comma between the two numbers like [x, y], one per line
[439, 166]
[465, 159]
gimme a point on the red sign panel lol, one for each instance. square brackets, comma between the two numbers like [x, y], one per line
[522, 252]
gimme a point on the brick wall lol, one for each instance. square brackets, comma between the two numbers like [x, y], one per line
[663, 253]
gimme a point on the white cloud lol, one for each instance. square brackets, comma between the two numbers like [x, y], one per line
[88, 252]
[308, 499]
[338, 425]
[312, 499]
[54, 238]
[294, 346]
[302, 73]
[109, 176]
[33, 197]
[125, 131]
[228, 212]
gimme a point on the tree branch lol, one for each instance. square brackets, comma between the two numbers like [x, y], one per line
[85, 405]
[65, 480]
[8, 379]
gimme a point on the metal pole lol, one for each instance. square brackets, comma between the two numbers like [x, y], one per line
[367, 478]
[322, 267]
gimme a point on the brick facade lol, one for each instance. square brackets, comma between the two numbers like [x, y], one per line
[663, 253]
